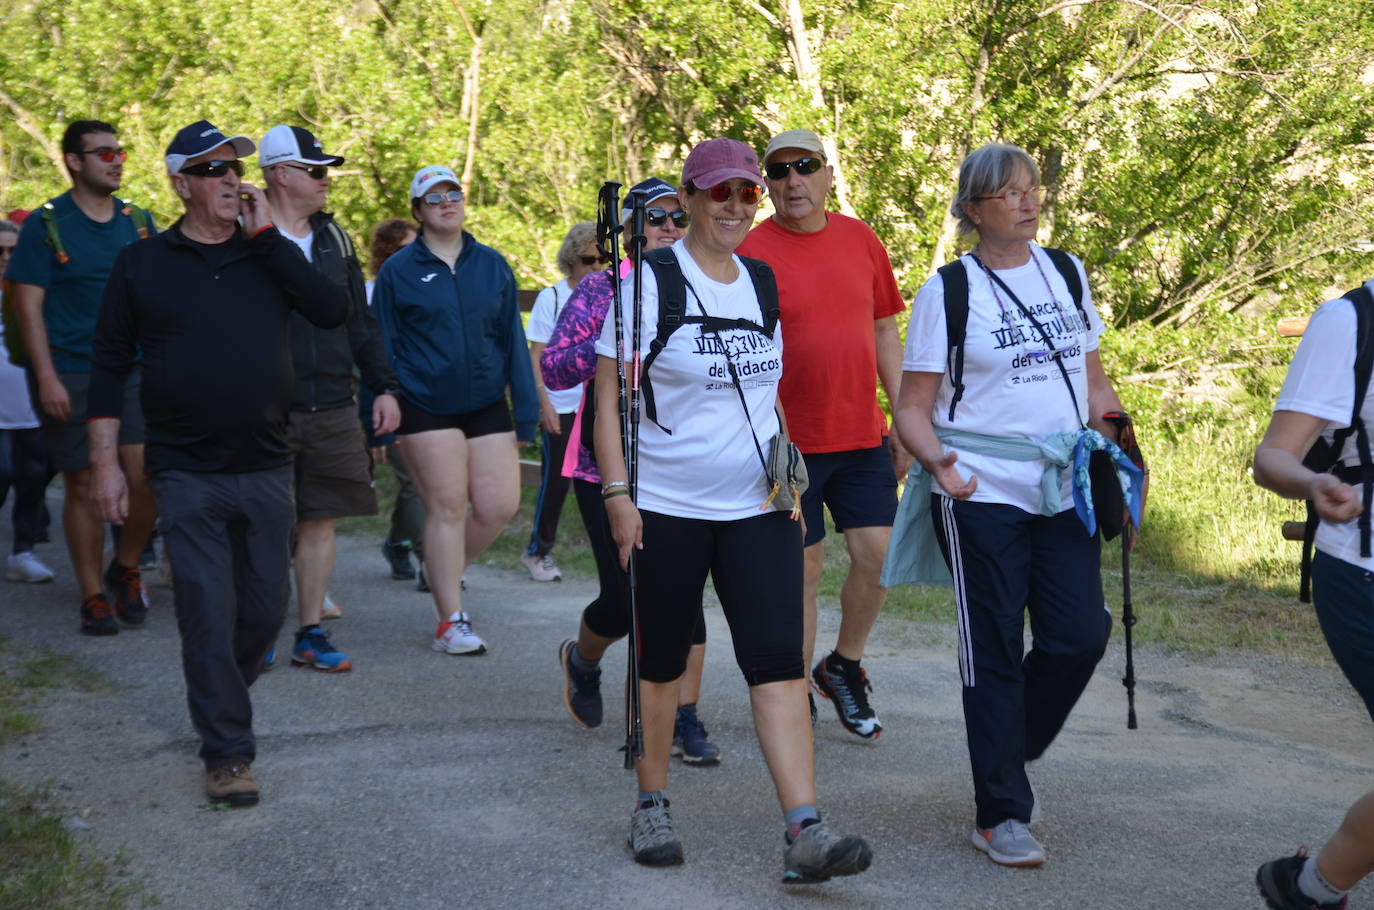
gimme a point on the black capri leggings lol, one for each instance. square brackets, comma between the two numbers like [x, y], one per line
[756, 566]
[609, 615]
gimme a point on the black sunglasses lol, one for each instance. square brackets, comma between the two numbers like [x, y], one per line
[591, 260]
[214, 168]
[657, 216]
[316, 172]
[778, 169]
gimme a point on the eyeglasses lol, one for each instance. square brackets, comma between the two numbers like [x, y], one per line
[107, 154]
[749, 193]
[778, 169]
[317, 172]
[214, 168]
[656, 217]
[592, 260]
[1014, 198]
[441, 198]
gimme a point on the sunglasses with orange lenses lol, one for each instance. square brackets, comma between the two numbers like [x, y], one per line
[748, 193]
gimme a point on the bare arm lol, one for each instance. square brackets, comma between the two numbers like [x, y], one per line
[887, 340]
[911, 418]
[28, 308]
[110, 491]
[548, 416]
[1102, 398]
[1279, 467]
[626, 525]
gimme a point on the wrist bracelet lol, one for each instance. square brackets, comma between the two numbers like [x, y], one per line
[612, 484]
[614, 493]
[261, 229]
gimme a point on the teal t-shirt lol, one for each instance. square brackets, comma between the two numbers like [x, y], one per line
[74, 288]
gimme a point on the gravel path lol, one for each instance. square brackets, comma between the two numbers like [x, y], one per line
[421, 780]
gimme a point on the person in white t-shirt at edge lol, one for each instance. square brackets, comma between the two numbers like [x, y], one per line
[700, 487]
[577, 258]
[1006, 524]
[1318, 399]
[23, 461]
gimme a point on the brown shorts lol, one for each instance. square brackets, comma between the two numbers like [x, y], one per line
[333, 471]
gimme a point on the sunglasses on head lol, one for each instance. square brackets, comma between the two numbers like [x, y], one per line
[107, 154]
[441, 198]
[214, 168]
[656, 217]
[749, 193]
[316, 172]
[778, 169]
[592, 260]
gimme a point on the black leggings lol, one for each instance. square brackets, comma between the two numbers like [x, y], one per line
[609, 615]
[24, 466]
[755, 564]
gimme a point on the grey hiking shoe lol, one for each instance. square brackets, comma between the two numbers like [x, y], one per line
[651, 835]
[1009, 844]
[817, 854]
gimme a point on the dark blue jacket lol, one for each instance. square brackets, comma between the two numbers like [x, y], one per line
[455, 336]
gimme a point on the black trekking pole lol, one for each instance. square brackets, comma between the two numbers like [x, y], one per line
[1128, 620]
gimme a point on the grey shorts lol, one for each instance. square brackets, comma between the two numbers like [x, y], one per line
[66, 441]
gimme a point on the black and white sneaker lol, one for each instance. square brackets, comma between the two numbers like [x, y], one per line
[849, 694]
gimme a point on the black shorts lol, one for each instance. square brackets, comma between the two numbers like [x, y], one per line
[67, 442]
[857, 486]
[494, 418]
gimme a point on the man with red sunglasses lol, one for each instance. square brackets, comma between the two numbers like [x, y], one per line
[58, 270]
[839, 300]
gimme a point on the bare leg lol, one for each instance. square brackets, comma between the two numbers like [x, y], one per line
[783, 722]
[813, 561]
[438, 463]
[85, 532]
[493, 490]
[690, 689]
[315, 542]
[1349, 855]
[658, 708]
[592, 646]
[138, 526]
[861, 598]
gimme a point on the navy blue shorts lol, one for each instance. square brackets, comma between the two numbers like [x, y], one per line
[857, 486]
[1343, 595]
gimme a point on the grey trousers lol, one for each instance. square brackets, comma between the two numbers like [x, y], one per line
[228, 537]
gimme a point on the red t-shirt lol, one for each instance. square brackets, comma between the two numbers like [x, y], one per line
[832, 286]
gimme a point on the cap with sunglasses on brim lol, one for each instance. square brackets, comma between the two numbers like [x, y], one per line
[652, 189]
[718, 160]
[805, 140]
[199, 138]
[284, 143]
[427, 178]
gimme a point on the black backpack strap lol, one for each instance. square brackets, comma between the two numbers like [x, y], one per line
[955, 278]
[765, 289]
[672, 313]
[1063, 263]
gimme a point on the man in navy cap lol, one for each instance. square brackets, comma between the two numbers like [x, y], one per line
[332, 470]
[208, 303]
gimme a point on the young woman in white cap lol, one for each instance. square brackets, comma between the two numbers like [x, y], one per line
[447, 307]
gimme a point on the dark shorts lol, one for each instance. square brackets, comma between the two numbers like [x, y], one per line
[857, 486]
[1343, 595]
[332, 470]
[494, 418]
[66, 442]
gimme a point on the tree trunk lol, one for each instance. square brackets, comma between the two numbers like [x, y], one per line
[809, 75]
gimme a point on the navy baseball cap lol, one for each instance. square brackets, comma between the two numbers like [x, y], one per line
[652, 189]
[199, 138]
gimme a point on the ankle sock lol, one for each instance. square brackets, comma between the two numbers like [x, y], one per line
[581, 663]
[843, 664]
[649, 798]
[1314, 885]
[799, 818]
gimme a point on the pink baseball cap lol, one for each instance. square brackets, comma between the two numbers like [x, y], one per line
[718, 160]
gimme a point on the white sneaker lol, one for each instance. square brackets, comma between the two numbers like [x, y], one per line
[456, 637]
[330, 610]
[542, 568]
[28, 568]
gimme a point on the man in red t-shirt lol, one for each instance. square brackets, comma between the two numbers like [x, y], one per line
[839, 301]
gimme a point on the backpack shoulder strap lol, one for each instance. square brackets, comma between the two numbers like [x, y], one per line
[672, 312]
[765, 289]
[342, 239]
[1063, 262]
[49, 216]
[955, 278]
[142, 223]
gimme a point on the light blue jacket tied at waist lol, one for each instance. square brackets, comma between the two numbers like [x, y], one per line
[913, 553]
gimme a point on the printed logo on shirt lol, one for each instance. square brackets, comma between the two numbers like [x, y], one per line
[430, 276]
[1032, 361]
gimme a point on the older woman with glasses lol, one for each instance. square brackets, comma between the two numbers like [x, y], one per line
[447, 307]
[987, 415]
[701, 482]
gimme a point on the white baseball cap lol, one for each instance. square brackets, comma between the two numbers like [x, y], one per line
[431, 176]
[293, 143]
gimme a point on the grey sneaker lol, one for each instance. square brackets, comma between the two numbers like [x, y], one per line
[1009, 844]
[651, 835]
[818, 853]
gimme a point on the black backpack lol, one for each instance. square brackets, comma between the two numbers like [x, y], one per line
[1325, 456]
[672, 315]
[955, 279]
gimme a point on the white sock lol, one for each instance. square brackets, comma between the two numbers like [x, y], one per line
[1311, 883]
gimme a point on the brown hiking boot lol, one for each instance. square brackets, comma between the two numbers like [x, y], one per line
[96, 616]
[232, 784]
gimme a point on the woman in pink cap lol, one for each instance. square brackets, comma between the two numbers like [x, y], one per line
[703, 506]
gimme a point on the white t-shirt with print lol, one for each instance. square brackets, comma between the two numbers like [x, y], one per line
[543, 316]
[1011, 386]
[708, 467]
[1321, 383]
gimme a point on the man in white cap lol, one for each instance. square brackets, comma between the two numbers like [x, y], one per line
[207, 304]
[838, 299]
[332, 470]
